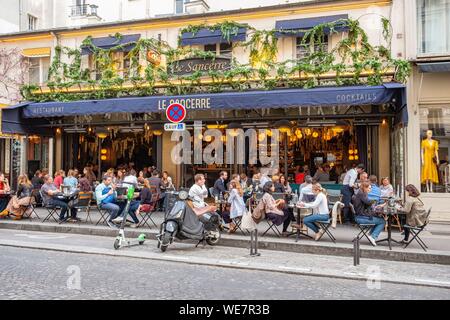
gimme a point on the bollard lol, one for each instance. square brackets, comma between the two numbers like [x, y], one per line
[254, 244]
[355, 252]
[251, 243]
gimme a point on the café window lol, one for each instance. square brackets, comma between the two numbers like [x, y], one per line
[433, 16]
[435, 148]
[304, 49]
[221, 49]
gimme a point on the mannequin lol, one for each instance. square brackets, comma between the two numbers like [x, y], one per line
[429, 150]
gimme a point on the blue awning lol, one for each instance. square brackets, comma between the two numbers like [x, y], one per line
[282, 98]
[297, 27]
[12, 122]
[436, 67]
[206, 36]
[110, 42]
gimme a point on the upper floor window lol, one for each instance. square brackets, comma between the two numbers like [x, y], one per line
[179, 6]
[221, 49]
[38, 70]
[302, 50]
[433, 21]
[32, 22]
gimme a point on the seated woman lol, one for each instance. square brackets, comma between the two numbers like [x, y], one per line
[276, 210]
[416, 215]
[320, 211]
[367, 212]
[386, 188]
[236, 199]
[285, 184]
[18, 204]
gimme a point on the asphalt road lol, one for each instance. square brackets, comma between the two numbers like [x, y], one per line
[41, 274]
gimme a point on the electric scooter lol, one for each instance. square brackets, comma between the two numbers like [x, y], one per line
[121, 240]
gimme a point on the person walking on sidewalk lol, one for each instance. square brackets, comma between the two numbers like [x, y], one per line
[320, 211]
[347, 190]
[367, 212]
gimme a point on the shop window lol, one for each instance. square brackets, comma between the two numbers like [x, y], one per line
[433, 16]
[303, 50]
[221, 49]
[435, 148]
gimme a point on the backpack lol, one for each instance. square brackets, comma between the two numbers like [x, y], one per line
[259, 213]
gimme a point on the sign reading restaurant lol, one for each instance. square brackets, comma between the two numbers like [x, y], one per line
[188, 66]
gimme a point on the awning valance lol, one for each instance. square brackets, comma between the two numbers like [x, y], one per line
[110, 42]
[206, 36]
[297, 27]
[36, 52]
[282, 98]
[12, 121]
[434, 67]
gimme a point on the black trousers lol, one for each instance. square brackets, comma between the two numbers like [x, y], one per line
[347, 193]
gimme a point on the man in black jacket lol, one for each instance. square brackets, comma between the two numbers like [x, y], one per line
[219, 185]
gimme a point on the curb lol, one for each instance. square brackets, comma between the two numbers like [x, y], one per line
[204, 262]
[343, 250]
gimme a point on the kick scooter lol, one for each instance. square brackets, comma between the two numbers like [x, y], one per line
[121, 240]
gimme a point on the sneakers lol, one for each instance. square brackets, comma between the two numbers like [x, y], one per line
[117, 220]
[319, 234]
[372, 241]
[134, 225]
[111, 224]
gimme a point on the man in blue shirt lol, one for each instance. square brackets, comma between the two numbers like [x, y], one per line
[106, 195]
[375, 193]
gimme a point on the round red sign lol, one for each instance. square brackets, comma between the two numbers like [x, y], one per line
[176, 112]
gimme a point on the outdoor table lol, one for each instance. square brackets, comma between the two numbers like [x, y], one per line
[299, 222]
[390, 212]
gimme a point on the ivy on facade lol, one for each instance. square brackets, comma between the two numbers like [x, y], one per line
[352, 61]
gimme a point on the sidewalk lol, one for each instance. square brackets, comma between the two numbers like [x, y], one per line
[436, 237]
[370, 270]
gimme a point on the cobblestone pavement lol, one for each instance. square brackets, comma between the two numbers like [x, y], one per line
[40, 274]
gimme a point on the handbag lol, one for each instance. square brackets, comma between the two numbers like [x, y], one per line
[247, 222]
[259, 213]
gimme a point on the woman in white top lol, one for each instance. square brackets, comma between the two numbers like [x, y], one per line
[386, 188]
[320, 210]
[236, 200]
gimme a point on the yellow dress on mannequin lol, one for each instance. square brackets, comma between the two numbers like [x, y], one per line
[429, 168]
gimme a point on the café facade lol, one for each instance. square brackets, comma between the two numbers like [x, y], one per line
[334, 124]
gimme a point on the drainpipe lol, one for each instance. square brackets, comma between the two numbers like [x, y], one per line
[20, 15]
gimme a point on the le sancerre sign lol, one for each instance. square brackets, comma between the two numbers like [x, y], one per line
[188, 66]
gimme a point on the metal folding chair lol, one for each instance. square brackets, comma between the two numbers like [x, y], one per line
[51, 209]
[415, 231]
[325, 225]
[147, 215]
[364, 228]
[237, 221]
[332, 199]
[31, 206]
[84, 203]
[104, 214]
[272, 227]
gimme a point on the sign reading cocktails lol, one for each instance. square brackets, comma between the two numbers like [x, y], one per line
[188, 66]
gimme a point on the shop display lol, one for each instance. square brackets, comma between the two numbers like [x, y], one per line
[430, 159]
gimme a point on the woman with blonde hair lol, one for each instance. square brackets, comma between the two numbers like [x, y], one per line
[236, 200]
[320, 210]
[18, 204]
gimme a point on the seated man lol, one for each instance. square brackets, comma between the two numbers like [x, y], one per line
[106, 195]
[197, 194]
[49, 190]
[375, 192]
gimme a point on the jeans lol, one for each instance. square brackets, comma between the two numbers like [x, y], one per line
[3, 203]
[347, 193]
[113, 210]
[309, 221]
[134, 205]
[64, 207]
[379, 224]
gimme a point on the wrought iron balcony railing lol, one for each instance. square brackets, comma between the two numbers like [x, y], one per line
[84, 10]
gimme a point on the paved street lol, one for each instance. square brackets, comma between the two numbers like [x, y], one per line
[42, 274]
